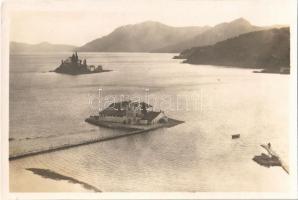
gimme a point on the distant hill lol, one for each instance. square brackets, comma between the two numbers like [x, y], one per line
[149, 36]
[213, 35]
[18, 47]
[267, 49]
[142, 37]
[153, 36]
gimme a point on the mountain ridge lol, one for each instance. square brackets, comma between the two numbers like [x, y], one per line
[215, 34]
[141, 37]
[21, 47]
[150, 36]
[266, 49]
[156, 37]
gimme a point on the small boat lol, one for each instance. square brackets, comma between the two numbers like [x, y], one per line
[235, 136]
[267, 161]
[272, 159]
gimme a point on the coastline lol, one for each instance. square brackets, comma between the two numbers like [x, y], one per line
[49, 174]
[256, 70]
[75, 74]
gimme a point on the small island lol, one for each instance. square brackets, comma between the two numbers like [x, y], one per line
[129, 115]
[75, 66]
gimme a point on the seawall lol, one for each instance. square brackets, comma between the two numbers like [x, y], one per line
[91, 141]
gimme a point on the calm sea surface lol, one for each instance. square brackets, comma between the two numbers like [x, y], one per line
[199, 155]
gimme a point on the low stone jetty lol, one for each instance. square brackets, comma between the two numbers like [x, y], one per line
[90, 140]
[129, 117]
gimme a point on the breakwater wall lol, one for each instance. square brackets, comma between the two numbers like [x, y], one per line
[171, 123]
[67, 146]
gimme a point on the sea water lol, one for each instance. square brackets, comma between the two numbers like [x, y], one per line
[196, 156]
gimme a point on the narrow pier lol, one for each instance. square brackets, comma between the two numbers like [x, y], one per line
[91, 141]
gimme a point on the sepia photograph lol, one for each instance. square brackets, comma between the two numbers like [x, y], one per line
[188, 97]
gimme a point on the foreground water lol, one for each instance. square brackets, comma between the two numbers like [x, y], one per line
[198, 155]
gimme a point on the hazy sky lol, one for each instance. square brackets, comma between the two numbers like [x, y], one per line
[78, 22]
